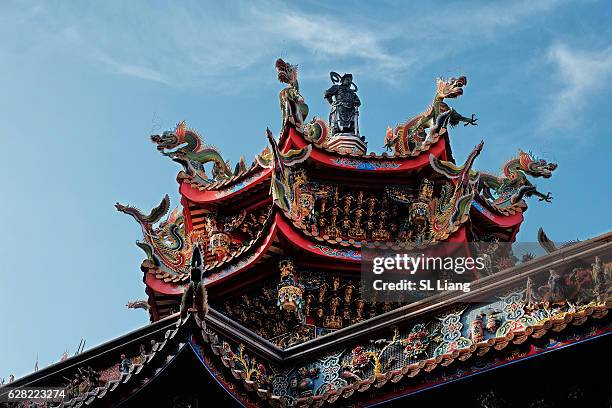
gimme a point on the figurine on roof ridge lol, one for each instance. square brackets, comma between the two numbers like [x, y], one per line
[465, 178]
[453, 206]
[344, 115]
[165, 241]
[412, 134]
[342, 96]
[281, 163]
[192, 154]
[292, 104]
[510, 188]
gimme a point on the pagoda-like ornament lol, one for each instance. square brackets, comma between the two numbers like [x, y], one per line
[344, 115]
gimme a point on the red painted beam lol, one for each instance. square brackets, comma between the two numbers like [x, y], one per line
[215, 196]
[362, 163]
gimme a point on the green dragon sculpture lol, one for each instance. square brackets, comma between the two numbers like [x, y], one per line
[192, 154]
[465, 181]
[510, 188]
[292, 104]
[433, 218]
[412, 134]
[281, 163]
[166, 243]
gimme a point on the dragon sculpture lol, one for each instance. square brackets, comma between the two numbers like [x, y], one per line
[281, 188]
[411, 135]
[138, 304]
[192, 154]
[454, 204]
[549, 245]
[292, 104]
[466, 179]
[430, 218]
[166, 244]
[510, 188]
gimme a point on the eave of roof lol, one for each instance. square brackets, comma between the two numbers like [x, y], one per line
[308, 350]
[166, 350]
[110, 347]
[292, 138]
[488, 286]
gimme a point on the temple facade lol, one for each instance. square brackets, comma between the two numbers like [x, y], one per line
[254, 282]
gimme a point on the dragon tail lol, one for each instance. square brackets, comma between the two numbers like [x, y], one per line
[151, 218]
[444, 167]
[159, 211]
[545, 242]
[462, 207]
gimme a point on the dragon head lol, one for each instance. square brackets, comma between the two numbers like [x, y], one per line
[167, 140]
[121, 207]
[535, 167]
[170, 138]
[451, 88]
[287, 73]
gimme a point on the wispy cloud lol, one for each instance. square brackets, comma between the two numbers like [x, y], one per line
[580, 73]
[327, 37]
[194, 43]
[128, 69]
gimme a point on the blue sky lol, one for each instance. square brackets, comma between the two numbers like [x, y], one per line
[85, 83]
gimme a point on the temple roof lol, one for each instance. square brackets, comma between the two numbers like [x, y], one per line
[245, 365]
[315, 192]
[282, 240]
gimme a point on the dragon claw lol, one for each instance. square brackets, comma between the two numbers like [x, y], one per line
[547, 198]
[471, 121]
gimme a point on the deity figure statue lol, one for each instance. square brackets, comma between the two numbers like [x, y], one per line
[342, 96]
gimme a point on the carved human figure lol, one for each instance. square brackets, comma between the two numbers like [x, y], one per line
[348, 293]
[125, 364]
[333, 305]
[357, 231]
[322, 290]
[322, 222]
[599, 277]
[308, 305]
[342, 96]
[359, 305]
[333, 230]
[336, 283]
